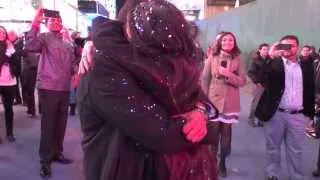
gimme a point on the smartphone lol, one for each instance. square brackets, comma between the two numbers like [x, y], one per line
[224, 64]
[51, 13]
[283, 47]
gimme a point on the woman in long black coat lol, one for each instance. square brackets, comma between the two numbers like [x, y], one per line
[128, 99]
[8, 72]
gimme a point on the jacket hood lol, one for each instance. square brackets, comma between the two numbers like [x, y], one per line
[108, 36]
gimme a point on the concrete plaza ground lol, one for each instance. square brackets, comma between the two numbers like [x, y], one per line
[20, 161]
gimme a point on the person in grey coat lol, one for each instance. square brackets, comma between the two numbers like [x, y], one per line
[29, 66]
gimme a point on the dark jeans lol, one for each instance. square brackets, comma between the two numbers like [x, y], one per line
[7, 93]
[223, 137]
[29, 77]
[54, 110]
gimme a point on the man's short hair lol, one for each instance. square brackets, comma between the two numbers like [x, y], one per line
[307, 46]
[291, 37]
[263, 45]
[47, 18]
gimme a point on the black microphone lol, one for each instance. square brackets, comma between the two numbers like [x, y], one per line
[224, 64]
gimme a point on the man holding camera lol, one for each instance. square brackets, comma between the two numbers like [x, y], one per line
[287, 106]
[54, 75]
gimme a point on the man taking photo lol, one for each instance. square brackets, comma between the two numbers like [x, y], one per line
[53, 83]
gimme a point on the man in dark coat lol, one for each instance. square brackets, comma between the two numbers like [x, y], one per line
[55, 69]
[126, 129]
[287, 106]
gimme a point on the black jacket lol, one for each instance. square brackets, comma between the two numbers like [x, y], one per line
[125, 128]
[273, 79]
[256, 67]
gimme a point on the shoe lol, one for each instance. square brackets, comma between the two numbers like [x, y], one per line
[252, 123]
[11, 138]
[311, 134]
[17, 103]
[260, 124]
[272, 178]
[316, 173]
[72, 109]
[33, 116]
[45, 171]
[222, 170]
[62, 159]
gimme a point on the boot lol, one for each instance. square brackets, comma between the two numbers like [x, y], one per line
[222, 169]
[72, 109]
[316, 173]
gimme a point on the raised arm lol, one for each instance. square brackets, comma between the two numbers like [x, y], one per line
[34, 42]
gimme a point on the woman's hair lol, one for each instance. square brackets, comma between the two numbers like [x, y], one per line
[5, 30]
[194, 30]
[218, 46]
[127, 7]
[3, 48]
[158, 27]
[3, 44]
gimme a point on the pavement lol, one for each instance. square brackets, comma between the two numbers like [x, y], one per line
[20, 161]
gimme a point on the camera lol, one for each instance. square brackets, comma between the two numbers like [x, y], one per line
[283, 46]
[51, 13]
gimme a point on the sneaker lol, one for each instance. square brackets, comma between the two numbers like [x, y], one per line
[252, 123]
[260, 124]
[11, 138]
[311, 134]
[316, 173]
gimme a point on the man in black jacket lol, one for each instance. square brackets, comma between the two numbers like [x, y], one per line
[316, 173]
[287, 105]
[259, 59]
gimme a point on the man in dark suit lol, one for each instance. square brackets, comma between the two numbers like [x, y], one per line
[287, 106]
[316, 172]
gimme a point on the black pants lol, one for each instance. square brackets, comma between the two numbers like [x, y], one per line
[7, 93]
[29, 77]
[318, 163]
[223, 137]
[17, 95]
[54, 109]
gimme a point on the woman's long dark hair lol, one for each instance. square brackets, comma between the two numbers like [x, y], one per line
[163, 47]
[158, 27]
[3, 47]
[218, 46]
